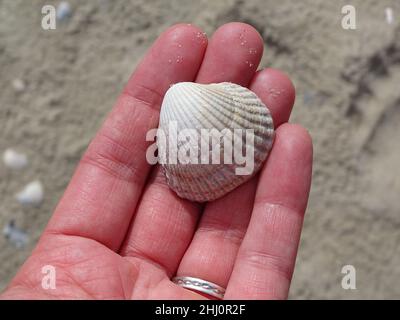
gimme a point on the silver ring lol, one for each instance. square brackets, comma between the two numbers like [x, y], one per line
[200, 285]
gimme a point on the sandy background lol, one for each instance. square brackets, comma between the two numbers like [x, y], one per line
[347, 96]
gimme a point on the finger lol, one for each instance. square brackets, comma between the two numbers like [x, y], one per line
[233, 55]
[108, 182]
[224, 221]
[266, 258]
[164, 224]
[277, 92]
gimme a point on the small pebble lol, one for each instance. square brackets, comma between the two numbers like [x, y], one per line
[14, 235]
[31, 195]
[14, 160]
[64, 11]
[18, 85]
[389, 15]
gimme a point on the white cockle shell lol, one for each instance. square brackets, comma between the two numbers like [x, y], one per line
[32, 194]
[15, 160]
[211, 106]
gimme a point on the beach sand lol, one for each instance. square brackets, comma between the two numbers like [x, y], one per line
[348, 97]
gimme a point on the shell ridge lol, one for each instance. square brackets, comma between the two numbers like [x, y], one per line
[237, 123]
[260, 112]
[214, 124]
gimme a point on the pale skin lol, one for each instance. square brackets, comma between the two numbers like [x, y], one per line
[119, 232]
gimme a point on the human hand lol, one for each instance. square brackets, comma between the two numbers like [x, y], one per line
[119, 232]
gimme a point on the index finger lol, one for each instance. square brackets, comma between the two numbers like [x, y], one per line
[103, 193]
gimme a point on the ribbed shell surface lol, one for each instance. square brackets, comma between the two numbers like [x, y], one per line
[212, 106]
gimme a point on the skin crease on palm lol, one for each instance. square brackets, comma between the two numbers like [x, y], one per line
[119, 232]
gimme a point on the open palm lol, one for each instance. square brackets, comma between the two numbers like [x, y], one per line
[119, 232]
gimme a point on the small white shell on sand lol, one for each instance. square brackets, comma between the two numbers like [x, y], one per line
[64, 11]
[389, 15]
[18, 85]
[219, 108]
[14, 159]
[32, 194]
[16, 236]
